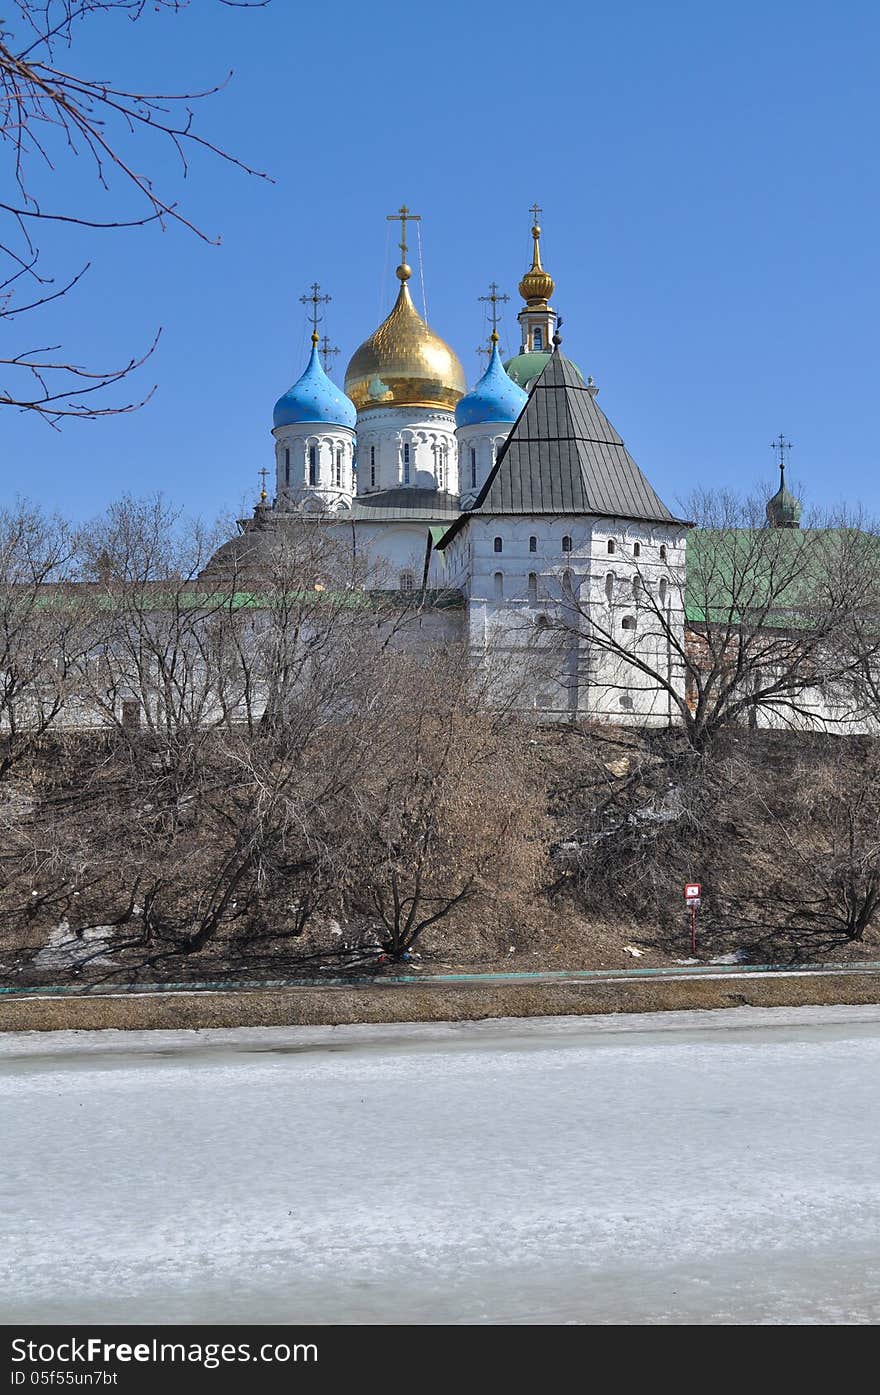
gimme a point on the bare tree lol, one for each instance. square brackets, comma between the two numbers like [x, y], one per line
[751, 627]
[452, 818]
[827, 842]
[227, 715]
[45, 630]
[49, 113]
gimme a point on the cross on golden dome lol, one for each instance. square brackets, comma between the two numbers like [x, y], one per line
[404, 363]
[403, 216]
[537, 285]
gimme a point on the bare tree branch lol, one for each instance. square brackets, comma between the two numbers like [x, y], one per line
[49, 113]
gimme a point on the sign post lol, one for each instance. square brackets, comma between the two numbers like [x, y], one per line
[693, 895]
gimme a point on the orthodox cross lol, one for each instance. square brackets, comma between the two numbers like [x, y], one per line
[535, 210]
[781, 445]
[314, 298]
[494, 299]
[403, 216]
[263, 476]
[327, 353]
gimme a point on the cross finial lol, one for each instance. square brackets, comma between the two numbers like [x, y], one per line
[781, 445]
[403, 216]
[494, 299]
[535, 211]
[327, 353]
[263, 476]
[314, 298]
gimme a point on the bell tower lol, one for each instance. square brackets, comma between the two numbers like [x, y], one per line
[537, 318]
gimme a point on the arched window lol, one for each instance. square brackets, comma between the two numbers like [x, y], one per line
[609, 586]
[533, 588]
[533, 544]
[499, 586]
[406, 463]
[287, 465]
[566, 543]
[473, 468]
[537, 338]
[372, 467]
[637, 549]
[637, 587]
[407, 581]
[664, 587]
[662, 552]
[339, 467]
[441, 467]
[498, 545]
[568, 586]
[628, 622]
[611, 548]
[313, 464]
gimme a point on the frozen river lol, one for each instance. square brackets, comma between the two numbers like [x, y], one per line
[685, 1167]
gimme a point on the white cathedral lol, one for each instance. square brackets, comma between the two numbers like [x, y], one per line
[516, 497]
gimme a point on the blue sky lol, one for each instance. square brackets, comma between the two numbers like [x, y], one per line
[708, 175]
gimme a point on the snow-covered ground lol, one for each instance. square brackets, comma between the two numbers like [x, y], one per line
[688, 1167]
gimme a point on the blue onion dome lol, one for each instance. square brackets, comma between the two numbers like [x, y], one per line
[314, 398]
[496, 397]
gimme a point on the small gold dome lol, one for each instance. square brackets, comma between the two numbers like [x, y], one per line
[403, 363]
[537, 285]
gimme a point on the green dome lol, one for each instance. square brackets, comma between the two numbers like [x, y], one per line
[524, 368]
[783, 510]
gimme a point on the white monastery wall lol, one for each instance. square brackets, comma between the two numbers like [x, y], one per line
[536, 587]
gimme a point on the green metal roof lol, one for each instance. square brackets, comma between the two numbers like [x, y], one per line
[735, 575]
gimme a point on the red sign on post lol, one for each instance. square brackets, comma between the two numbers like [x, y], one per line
[692, 896]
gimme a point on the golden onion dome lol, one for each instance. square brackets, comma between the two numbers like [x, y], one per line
[403, 363]
[537, 285]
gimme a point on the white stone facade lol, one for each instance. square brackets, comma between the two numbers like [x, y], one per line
[314, 466]
[406, 447]
[537, 587]
[396, 551]
[478, 448]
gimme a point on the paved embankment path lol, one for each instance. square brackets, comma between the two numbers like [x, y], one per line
[687, 1167]
[438, 998]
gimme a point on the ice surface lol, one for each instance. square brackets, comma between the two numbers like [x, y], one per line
[683, 1167]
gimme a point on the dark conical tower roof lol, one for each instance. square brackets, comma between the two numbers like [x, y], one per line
[564, 456]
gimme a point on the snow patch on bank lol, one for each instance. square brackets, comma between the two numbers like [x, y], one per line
[69, 949]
